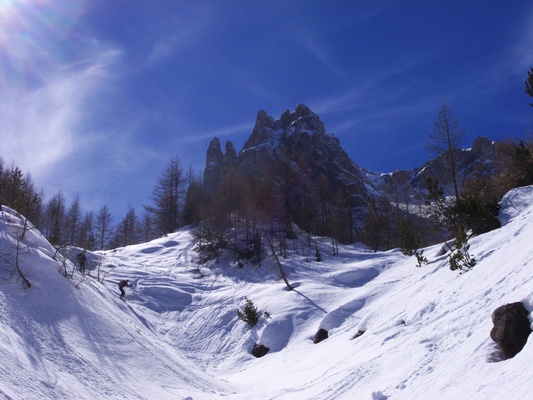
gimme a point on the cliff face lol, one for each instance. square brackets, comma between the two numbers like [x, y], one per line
[216, 162]
[313, 179]
[298, 143]
[475, 166]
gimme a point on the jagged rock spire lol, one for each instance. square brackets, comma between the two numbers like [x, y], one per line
[216, 162]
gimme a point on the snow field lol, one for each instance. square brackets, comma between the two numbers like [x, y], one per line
[177, 335]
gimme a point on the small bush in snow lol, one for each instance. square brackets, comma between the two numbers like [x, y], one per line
[409, 243]
[420, 258]
[248, 313]
[460, 258]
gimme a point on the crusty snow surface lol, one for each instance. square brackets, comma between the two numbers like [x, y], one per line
[177, 335]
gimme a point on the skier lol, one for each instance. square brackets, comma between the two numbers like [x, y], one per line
[122, 285]
[82, 260]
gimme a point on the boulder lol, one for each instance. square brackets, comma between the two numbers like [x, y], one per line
[320, 335]
[260, 350]
[511, 328]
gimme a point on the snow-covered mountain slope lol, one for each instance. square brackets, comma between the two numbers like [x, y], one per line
[177, 335]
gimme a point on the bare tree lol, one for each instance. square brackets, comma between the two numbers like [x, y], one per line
[195, 203]
[529, 84]
[55, 219]
[10, 260]
[18, 249]
[167, 198]
[85, 237]
[128, 230]
[447, 137]
[103, 227]
[18, 192]
[281, 271]
[374, 225]
[72, 222]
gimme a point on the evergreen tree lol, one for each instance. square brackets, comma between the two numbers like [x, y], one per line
[477, 213]
[523, 163]
[409, 242]
[249, 313]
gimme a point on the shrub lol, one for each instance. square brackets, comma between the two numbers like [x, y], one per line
[248, 313]
[409, 243]
[460, 258]
[420, 258]
[209, 243]
[477, 213]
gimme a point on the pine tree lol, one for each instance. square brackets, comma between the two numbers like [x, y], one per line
[248, 313]
[409, 242]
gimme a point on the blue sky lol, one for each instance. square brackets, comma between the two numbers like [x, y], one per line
[98, 96]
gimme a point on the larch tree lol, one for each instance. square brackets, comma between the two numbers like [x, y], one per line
[18, 192]
[446, 138]
[103, 227]
[72, 222]
[85, 237]
[55, 219]
[128, 231]
[529, 84]
[167, 198]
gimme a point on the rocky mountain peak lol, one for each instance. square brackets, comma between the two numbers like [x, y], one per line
[297, 159]
[230, 155]
[297, 139]
[262, 132]
[302, 118]
[214, 153]
[216, 160]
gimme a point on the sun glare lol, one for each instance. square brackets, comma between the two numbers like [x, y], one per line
[31, 35]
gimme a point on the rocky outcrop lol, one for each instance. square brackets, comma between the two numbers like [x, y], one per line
[213, 164]
[475, 166]
[511, 328]
[217, 162]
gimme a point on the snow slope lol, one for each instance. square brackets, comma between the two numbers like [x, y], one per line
[177, 336]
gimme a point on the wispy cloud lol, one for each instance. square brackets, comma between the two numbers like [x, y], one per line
[522, 51]
[242, 128]
[43, 126]
[185, 33]
[319, 52]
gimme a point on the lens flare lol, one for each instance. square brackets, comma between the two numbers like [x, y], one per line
[31, 32]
